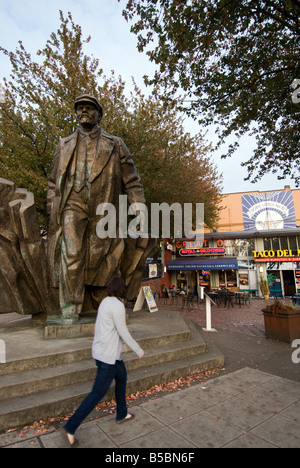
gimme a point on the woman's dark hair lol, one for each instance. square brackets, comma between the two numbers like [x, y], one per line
[116, 288]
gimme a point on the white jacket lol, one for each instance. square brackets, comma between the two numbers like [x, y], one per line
[111, 331]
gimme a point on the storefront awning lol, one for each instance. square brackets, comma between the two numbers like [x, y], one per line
[203, 264]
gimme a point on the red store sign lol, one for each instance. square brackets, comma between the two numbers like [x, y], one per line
[278, 259]
[193, 249]
[202, 252]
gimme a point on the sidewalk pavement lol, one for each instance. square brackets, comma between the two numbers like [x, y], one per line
[254, 402]
[245, 409]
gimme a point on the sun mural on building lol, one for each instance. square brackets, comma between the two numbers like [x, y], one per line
[271, 210]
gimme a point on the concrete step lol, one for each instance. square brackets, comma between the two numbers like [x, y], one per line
[52, 354]
[54, 377]
[17, 412]
[29, 382]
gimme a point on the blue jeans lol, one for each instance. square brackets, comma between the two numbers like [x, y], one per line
[105, 375]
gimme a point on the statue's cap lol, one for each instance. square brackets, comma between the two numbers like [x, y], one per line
[90, 99]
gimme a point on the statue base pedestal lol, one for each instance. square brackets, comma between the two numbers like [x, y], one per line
[58, 328]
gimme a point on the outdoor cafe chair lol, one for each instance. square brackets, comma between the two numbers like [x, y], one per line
[226, 297]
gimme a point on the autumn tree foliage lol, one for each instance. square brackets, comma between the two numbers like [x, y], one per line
[174, 166]
[236, 62]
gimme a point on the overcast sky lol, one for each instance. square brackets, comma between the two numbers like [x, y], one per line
[112, 43]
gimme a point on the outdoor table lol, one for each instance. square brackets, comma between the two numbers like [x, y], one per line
[242, 297]
[239, 296]
[188, 300]
[226, 297]
[229, 299]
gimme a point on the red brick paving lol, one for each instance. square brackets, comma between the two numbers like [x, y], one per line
[246, 319]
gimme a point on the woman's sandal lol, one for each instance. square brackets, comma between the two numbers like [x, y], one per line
[69, 438]
[129, 417]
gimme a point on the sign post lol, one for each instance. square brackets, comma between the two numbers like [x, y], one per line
[208, 302]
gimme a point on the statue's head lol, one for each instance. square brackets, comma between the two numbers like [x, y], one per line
[88, 109]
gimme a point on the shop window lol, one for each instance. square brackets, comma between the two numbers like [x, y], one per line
[251, 247]
[275, 244]
[288, 265]
[293, 244]
[243, 264]
[274, 281]
[222, 279]
[230, 248]
[231, 278]
[273, 266]
[242, 248]
[204, 278]
[297, 274]
[267, 244]
[244, 279]
[227, 279]
[284, 243]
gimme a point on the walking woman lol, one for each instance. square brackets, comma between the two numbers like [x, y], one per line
[110, 333]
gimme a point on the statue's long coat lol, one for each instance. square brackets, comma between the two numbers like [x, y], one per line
[113, 174]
